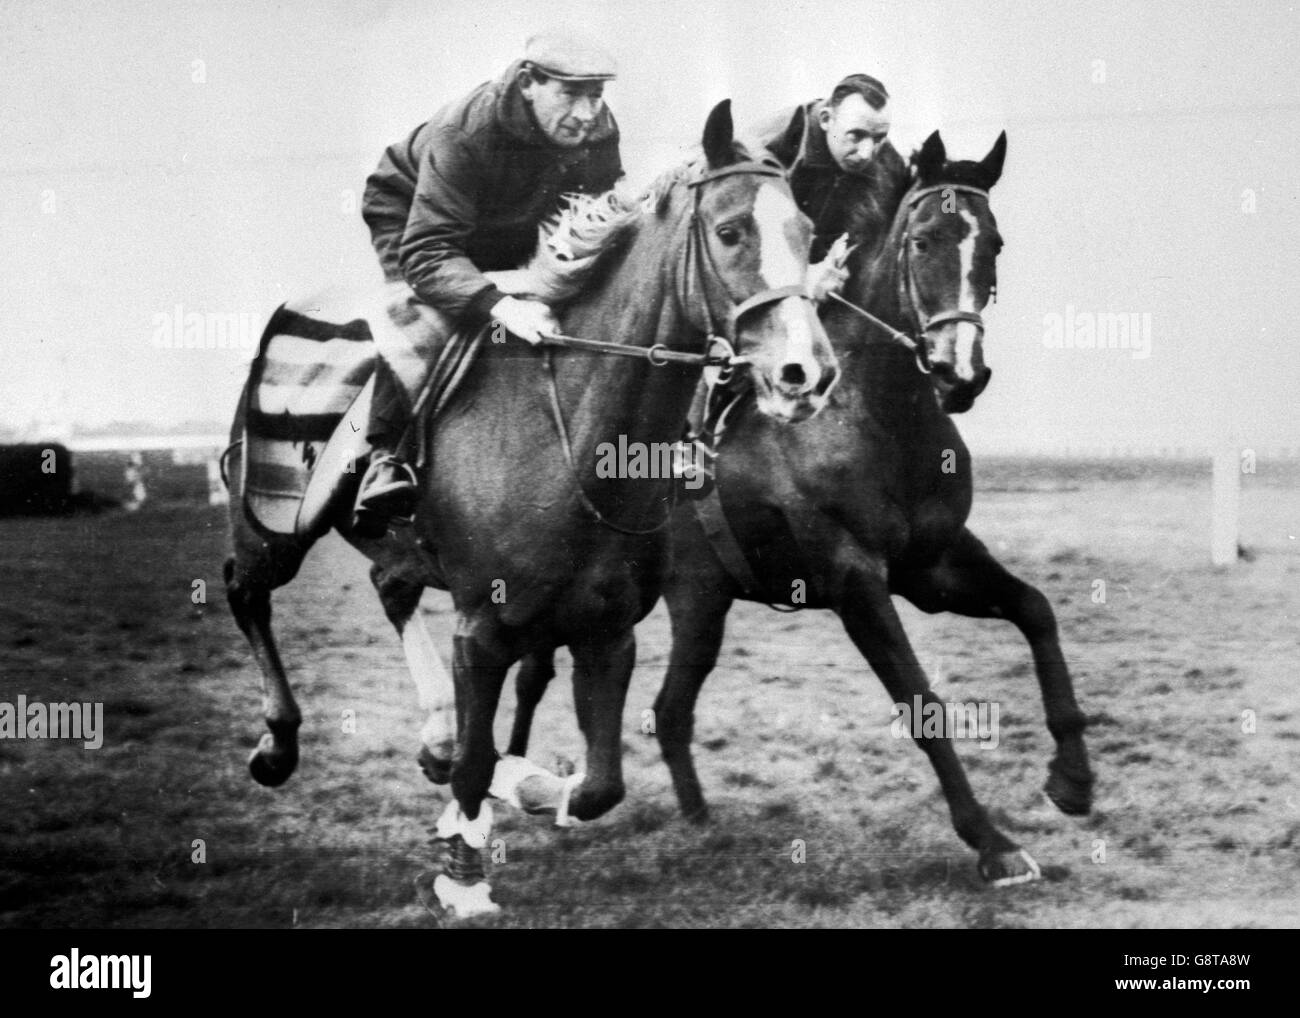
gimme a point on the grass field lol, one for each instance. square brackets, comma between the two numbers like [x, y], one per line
[1198, 809]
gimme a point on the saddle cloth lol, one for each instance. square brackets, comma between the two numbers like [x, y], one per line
[308, 395]
[307, 374]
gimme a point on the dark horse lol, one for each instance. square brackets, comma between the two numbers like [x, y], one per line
[871, 499]
[537, 549]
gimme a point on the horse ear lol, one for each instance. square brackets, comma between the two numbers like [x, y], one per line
[718, 136]
[930, 160]
[991, 164]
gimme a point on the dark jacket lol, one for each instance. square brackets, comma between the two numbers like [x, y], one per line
[471, 186]
[824, 192]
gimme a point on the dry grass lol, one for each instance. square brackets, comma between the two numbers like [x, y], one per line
[1201, 821]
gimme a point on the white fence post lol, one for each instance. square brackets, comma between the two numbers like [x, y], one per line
[1227, 503]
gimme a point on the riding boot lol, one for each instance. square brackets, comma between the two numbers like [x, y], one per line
[388, 490]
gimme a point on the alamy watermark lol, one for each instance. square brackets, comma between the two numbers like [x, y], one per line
[1103, 330]
[75, 971]
[651, 460]
[179, 329]
[938, 719]
[23, 720]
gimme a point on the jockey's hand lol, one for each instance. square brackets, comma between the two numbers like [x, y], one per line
[825, 278]
[527, 319]
[829, 276]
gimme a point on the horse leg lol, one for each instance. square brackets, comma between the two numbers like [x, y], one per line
[969, 581]
[481, 659]
[257, 568]
[869, 617]
[698, 624]
[602, 670]
[535, 674]
[400, 595]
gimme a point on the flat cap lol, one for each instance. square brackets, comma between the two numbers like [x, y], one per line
[569, 57]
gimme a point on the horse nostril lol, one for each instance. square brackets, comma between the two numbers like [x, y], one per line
[943, 372]
[793, 375]
[829, 378]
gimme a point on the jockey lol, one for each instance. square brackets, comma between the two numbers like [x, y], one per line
[838, 156]
[464, 194]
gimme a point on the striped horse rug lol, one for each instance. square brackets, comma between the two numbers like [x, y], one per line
[307, 377]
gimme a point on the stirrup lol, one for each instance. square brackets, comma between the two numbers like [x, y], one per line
[392, 460]
[377, 507]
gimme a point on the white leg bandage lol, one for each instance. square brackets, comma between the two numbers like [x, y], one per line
[475, 832]
[433, 684]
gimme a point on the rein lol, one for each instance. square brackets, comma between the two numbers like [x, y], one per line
[719, 349]
[557, 414]
[658, 355]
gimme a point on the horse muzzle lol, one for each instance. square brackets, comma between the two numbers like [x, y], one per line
[954, 394]
[794, 382]
[955, 356]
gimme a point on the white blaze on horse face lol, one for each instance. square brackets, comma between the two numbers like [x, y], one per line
[799, 348]
[967, 333]
[782, 264]
[774, 211]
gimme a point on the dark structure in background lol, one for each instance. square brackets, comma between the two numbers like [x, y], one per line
[36, 480]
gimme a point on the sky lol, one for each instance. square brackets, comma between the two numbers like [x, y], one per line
[159, 159]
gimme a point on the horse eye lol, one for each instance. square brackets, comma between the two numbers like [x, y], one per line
[729, 235]
[922, 245]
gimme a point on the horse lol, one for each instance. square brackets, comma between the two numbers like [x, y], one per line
[871, 499]
[537, 548]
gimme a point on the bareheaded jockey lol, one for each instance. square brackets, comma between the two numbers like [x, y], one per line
[839, 158]
[464, 194]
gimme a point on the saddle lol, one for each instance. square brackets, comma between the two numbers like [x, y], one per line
[307, 402]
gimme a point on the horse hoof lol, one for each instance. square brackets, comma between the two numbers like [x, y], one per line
[1071, 796]
[436, 768]
[271, 765]
[696, 816]
[1003, 869]
[464, 901]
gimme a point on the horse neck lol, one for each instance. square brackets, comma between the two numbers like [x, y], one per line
[634, 300]
[876, 365]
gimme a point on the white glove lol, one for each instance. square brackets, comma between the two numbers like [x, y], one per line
[829, 276]
[527, 319]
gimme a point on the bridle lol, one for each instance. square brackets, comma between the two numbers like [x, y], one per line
[719, 345]
[908, 299]
[699, 242]
[907, 284]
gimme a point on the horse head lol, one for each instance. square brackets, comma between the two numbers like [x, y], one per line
[751, 243]
[946, 266]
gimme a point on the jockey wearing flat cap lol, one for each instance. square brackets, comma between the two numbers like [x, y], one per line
[839, 159]
[464, 194]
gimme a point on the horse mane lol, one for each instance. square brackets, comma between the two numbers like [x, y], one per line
[656, 195]
[573, 241]
[874, 220]
[869, 221]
